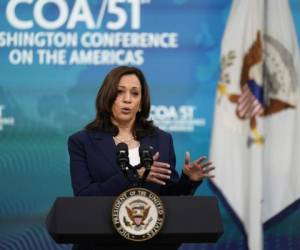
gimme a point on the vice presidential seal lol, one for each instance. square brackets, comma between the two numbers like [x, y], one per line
[138, 214]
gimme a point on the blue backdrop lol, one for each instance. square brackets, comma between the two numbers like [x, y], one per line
[53, 58]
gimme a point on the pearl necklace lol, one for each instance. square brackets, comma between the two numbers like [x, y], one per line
[120, 140]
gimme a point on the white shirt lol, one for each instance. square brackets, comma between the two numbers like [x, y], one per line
[134, 157]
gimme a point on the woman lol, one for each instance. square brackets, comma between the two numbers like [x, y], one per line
[123, 106]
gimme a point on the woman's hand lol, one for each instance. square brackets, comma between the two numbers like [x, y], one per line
[197, 170]
[160, 172]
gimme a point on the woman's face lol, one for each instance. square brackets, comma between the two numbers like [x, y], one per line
[128, 100]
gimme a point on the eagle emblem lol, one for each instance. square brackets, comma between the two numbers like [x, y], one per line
[267, 83]
[137, 212]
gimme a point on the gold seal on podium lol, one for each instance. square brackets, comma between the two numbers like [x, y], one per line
[138, 214]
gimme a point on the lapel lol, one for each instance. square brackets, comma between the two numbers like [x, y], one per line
[105, 143]
[151, 141]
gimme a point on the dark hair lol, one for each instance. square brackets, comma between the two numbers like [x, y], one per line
[106, 97]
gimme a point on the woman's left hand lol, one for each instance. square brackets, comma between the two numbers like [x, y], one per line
[197, 170]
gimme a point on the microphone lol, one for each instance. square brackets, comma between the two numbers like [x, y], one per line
[146, 157]
[122, 157]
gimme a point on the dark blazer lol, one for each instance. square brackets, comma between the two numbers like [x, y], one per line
[94, 171]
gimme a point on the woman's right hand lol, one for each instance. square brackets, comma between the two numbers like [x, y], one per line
[160, 172]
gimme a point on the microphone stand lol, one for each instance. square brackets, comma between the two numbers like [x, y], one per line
[136, 181]
[140, 181]
[131, 174]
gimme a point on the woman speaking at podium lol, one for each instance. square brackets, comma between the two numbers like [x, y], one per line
[123, 107]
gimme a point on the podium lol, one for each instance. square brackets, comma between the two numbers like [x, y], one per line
[87, 221]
